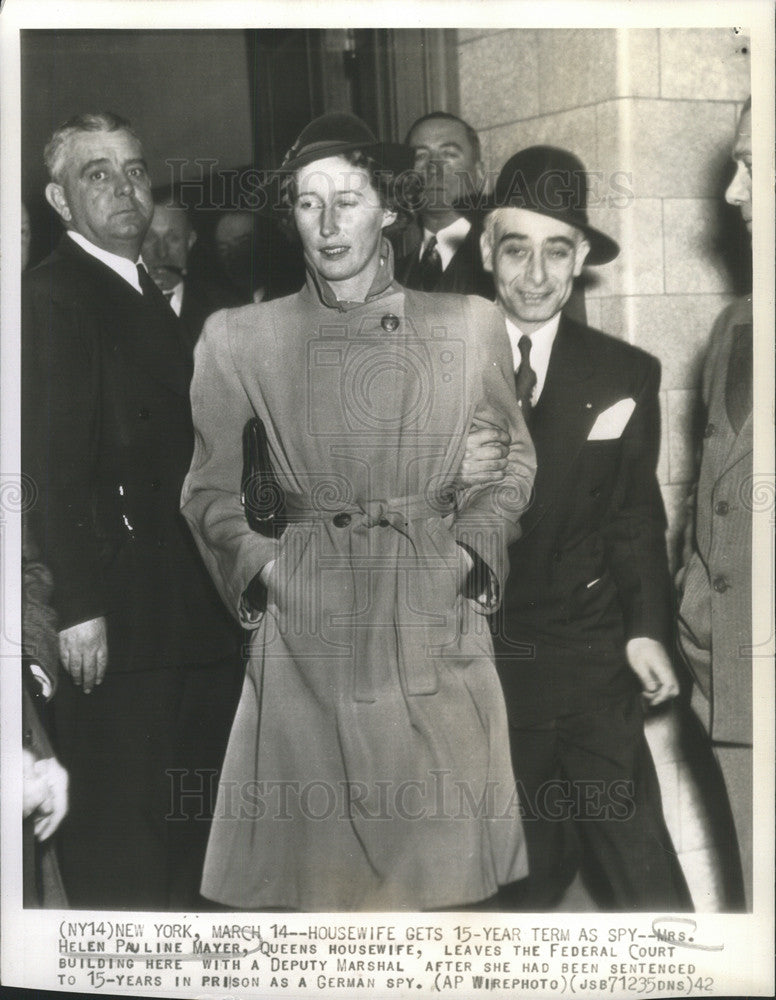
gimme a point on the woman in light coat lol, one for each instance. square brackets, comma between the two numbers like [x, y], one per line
[368, 765]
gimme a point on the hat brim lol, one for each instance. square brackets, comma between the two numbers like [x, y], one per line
[603, 249]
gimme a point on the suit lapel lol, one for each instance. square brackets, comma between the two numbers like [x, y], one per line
[562, 419]
[144, 335]
[732, 447]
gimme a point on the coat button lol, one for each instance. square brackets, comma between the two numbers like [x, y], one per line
[723, 507]
[155, 484]
[341, 520]
[389, 322]
[557, 556]
[595, 493]
[709, 431]
[720, 584]
[143, 413]
[27, 738]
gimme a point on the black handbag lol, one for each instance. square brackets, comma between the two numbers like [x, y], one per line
[261, 494]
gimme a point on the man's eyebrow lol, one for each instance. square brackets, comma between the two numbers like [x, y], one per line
[103, 161]
[91, 164]
[452, 144]
[523, 237]
[564, 240]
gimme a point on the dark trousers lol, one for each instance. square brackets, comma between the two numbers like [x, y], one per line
[143, 751]
[590, 797]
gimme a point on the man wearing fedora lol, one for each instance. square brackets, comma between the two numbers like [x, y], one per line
[580, 639]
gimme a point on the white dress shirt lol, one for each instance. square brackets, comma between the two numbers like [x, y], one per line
[448, 240]
[541, 348]
[176, 299]
[123, 267]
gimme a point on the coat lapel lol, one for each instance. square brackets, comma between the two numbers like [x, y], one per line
[731, 447]
[142, 333]
[562, 419]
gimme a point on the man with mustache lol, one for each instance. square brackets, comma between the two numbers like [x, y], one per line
[107, 437]
[166, 249]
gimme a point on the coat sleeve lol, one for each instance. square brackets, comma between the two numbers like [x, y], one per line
[488, 517]
[61, 402]
[210, 501]
[636, 522]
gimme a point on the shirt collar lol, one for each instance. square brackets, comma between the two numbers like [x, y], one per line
[382, 281]
[541, 349]
[123, 267]
[448, 239]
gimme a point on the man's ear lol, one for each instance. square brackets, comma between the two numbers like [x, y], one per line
[580, 255]
[479, 175]
[486, 249]
[389, 218]
[192, 239]
[55, 196]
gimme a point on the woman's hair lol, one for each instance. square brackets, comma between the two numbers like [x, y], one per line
[399, 193]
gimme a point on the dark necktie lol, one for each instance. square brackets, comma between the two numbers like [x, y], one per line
[738, 385]
[430, 267]
[151, 292]
[525, 377]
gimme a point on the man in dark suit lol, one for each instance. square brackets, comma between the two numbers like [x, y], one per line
[581, 637]
[447, 259]
[715, 616]
[166, 248]
[107, 438]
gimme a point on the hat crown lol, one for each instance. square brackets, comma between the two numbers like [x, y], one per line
[337, 127]
[337, 134]
[552, 182]
[544, 179]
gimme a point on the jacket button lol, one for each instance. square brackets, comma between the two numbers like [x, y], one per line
[710, 429]
[595, 493]
[722, 507]
[720, 584]
[341, 520]
[557, 555]
[143, 413]
[161, 544]
[27, 738]
[155, 484]
[389, 322]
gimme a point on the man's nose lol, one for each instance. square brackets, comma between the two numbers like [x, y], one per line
[738, 189]
[536, 269]
[124, 184]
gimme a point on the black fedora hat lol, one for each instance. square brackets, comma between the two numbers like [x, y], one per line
[338, 133]
[552, 182]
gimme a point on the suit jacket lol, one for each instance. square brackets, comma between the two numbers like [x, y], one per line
[590, 571]
[715, 617]
[107, 438]
[464, 274]
[202, 298]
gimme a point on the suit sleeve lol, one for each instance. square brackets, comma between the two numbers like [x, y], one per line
[636, 522]
[210, 501]
[488, 518]
[60, 428]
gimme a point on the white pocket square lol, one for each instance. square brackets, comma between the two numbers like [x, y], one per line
[611, 423]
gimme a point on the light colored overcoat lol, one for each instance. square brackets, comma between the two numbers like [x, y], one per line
[368, 765]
